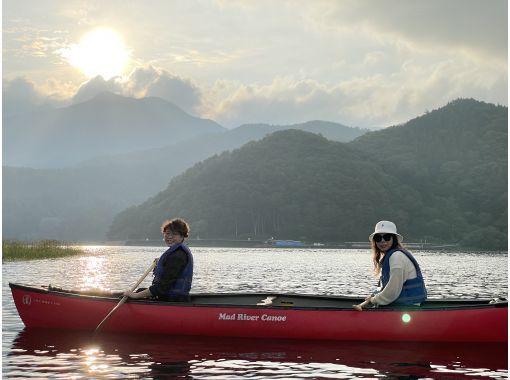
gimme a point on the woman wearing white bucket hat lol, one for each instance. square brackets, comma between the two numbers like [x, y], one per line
[400, 280]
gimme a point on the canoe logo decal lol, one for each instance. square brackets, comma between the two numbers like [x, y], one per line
[247, 317]
[27, 300]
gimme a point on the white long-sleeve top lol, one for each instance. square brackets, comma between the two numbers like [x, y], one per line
[401, 270]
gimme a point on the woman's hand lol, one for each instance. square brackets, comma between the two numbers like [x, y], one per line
[137, 295]
[130, 294]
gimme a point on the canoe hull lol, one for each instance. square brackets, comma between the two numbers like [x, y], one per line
[46, 309]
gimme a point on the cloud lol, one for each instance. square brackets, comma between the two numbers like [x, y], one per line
[21, 89]
[149, 81]
[140, 79]
[20, 96]
[477, 25]
[95, 86]
[374, 100]
[284, 101]
[176, 90]
[369, 101]
[144, 82]
[358, 62]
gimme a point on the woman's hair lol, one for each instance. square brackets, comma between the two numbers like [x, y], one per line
[377, 254]
[176, 225]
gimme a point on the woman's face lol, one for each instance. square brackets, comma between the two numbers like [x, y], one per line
[171, 237]
[385, 241]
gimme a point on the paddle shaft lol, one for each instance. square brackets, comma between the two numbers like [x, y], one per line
[124, 299]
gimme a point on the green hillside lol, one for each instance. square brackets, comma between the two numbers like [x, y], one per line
[457, 157]
[440, 177]
[79, 203]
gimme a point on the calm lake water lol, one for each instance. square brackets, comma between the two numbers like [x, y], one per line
[56, 354]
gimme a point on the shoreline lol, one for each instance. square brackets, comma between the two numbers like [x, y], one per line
[226, 243]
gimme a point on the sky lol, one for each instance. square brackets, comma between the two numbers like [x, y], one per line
[361, 63]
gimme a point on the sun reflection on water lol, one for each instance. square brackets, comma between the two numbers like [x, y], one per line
[62, 354]
[94, 273]
[93, 366]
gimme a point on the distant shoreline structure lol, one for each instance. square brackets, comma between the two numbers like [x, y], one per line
[271, 243]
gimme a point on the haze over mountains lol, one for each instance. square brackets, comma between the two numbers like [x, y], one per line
[78, 200]
[106, 124]
[440, 177]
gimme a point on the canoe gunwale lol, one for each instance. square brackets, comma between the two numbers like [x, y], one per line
[433, 304]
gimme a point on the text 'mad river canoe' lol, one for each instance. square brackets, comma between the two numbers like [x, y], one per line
[266, 315]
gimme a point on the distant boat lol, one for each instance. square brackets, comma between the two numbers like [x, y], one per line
[286, 243]
[266, 315]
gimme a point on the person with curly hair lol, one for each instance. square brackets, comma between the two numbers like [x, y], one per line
[173, 274]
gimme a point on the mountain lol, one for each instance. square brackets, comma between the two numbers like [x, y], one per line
[106, 124]
[329, 130]
[440, 177]
[201, 147]
[458, 157]
[66, 204]
[291, 184]
[88, 195]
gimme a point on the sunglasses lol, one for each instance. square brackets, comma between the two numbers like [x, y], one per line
[385, 237]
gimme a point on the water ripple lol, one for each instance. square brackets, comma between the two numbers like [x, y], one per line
[329, 272]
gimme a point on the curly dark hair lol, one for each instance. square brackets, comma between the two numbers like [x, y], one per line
[176, 225]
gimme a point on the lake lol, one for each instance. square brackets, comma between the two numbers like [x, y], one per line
[56, 354]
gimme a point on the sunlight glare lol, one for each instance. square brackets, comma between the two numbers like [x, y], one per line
[91, 362]
[94, 274]
[99, 52]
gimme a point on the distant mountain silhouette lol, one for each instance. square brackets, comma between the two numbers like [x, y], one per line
[440, 177]
[329, 130]
[201, 147]
[51, 199]
[451, 163]
[105, 124]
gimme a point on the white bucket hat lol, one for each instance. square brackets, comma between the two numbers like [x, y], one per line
[386, 227]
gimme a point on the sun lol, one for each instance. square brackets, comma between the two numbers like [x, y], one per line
[99, 52]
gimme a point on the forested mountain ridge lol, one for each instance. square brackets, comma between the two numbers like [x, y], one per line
[435, 176]
[201, 147]
[450, 131]
[290, 184]
[458, 157]
[78, 203]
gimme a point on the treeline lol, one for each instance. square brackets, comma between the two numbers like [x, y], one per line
[441, 177]
[79, 203]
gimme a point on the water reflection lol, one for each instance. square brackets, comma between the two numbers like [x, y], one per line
[50, 354]
[94, 273]
[38, 353]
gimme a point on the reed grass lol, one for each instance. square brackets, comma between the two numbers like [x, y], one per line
[43, 249]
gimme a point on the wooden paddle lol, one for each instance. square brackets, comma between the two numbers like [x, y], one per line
[361, 305]
[124, 299]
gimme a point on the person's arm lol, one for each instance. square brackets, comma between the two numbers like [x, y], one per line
[173, 267]
[392, 289]
[394, 286]
[146, 293]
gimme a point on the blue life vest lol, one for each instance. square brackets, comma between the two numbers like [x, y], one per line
[182, 285]
[413, 290]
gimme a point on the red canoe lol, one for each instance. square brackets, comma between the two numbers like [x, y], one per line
[267, 316]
